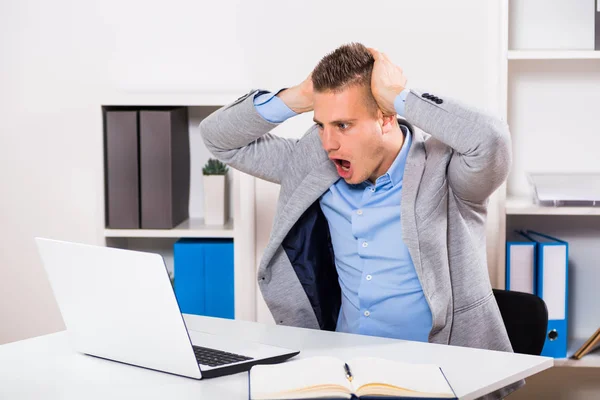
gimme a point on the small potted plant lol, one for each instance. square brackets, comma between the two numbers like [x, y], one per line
[215, 192]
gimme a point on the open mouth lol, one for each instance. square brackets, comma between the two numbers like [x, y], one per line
[343, 164]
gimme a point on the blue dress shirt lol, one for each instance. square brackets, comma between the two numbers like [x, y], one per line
[381, 292]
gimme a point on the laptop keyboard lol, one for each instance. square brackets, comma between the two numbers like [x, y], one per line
[214, 358]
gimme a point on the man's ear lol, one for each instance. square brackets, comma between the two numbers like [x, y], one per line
[386, 121]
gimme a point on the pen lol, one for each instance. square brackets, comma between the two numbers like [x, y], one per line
[348, 373]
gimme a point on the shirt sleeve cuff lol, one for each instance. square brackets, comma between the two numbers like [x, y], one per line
[272, 108]
[400, 102]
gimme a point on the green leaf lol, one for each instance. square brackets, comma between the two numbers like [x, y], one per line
[214, 167]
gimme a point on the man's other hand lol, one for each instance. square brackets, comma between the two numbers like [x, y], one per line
[387, 81]
[300, 97]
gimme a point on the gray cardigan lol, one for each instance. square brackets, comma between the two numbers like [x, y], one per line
[459, 157]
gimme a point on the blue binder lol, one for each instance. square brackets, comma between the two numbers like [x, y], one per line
[552, 287]
[204, 277]
[520, 264]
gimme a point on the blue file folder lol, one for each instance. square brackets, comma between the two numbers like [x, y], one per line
[204, 277]
[520, 264]
[552, 287]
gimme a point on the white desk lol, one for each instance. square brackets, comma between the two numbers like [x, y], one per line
[46, 367]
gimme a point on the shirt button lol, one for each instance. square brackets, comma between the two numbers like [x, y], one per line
[367, 313]
[365, 244]
[372, 189]
[369, 277]
[359, 212]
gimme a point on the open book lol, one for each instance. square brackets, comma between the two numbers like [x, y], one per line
[328, 377]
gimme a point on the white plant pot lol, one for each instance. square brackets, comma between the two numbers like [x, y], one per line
[215, 199]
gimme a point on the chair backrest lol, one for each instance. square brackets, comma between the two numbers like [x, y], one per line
[526, 319]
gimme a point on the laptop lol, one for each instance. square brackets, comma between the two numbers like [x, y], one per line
[120, 305]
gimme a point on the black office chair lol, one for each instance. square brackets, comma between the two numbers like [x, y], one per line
[526, 319]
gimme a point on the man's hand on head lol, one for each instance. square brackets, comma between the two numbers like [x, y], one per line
[387, 81]
[300, 97]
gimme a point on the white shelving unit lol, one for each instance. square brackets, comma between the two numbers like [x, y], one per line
[551, 99]
[526, 206]
[553, 55]
[590, 360]
[241, 225]
[191, 228]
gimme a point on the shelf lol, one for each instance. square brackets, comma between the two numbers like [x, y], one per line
[589, 360]
[191, 228]
[553, 55]
[174, 98]
[525, 206]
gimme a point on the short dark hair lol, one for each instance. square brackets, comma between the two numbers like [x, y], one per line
[349, 64]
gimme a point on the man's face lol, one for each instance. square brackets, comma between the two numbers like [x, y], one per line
[350, 132]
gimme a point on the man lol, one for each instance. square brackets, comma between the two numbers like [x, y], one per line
[380, 224]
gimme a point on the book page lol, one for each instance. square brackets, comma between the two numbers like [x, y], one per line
[303, 378]
[378, 376]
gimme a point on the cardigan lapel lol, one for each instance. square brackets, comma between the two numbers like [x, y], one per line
[305, 193]
[413, 172]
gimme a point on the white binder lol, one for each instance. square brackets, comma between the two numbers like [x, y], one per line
[552, 286]
[520, 264]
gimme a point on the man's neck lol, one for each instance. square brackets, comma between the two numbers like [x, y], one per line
[391, 152]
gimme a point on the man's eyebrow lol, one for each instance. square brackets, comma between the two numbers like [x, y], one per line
[338, 121]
